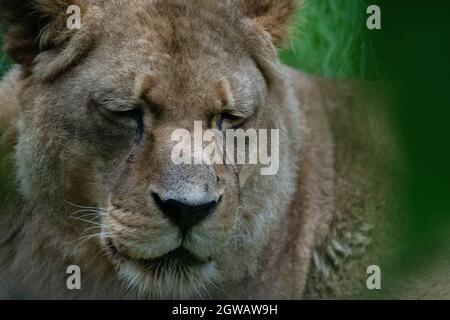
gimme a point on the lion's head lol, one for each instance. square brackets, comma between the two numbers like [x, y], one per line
[100, 105]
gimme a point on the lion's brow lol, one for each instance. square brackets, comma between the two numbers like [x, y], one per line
[143, 86]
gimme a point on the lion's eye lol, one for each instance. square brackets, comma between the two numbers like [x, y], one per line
[134, 114]
[131, 117]
[125, 117]
[227, 120]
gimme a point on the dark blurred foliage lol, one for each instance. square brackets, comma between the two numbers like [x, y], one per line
[414, 47]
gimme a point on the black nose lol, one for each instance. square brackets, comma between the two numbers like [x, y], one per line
[183, 215]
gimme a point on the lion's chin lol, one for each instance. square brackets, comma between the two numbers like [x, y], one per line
[169, 280]
[178, 274]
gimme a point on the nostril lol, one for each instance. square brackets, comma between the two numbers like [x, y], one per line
[157, 199]
[184, 215]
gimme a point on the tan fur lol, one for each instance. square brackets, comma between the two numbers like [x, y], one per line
[9, 105]
[272, 16]
[180, 61]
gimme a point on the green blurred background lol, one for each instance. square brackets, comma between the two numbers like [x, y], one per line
[412, 53]
[414, 47]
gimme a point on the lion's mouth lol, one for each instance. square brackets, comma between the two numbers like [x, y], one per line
[180, 257]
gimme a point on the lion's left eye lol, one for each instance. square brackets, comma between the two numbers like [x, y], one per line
[227, 120]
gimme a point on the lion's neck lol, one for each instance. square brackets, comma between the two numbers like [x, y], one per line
[36, 255]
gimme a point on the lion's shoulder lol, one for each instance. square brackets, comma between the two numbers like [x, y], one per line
[9, 107]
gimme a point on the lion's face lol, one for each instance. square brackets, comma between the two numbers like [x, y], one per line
[166, 225]
[107, 124]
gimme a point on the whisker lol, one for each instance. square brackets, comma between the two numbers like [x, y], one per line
[95, 235]
[90, 228]
[95, 215]
[84, 239]
[89, 210]
[87, 221]
[84, 207]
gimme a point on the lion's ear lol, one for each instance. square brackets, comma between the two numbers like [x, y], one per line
[33, 27]
[271, 15]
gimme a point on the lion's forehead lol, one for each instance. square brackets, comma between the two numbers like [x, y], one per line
[174, 26]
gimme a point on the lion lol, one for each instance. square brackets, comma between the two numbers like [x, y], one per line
[87, 116]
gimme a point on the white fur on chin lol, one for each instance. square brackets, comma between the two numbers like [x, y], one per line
[174, 282]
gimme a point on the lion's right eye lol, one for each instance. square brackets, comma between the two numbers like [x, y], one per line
[135, 115]
[132, 117]
[117, 115]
